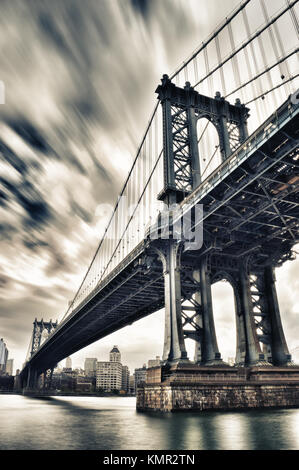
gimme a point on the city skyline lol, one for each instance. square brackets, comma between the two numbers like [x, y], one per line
[87, 362]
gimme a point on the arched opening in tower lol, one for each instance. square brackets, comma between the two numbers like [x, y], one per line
[224, 318]
[208, 147]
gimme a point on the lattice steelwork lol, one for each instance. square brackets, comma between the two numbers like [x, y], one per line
[41, 331]
[234, 136]
[261, 313]
[181, 153]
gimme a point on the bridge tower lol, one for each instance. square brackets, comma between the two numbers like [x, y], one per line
[257, 311]
[41, 331]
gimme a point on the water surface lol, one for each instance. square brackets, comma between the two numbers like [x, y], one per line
[109, 423]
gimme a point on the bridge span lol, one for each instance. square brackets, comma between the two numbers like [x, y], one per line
[184, 221]
[250, 225]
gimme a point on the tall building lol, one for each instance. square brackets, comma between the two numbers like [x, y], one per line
[109, 375]
[90, 366]
[115, 355]
[9, 366]
[125, 382]
[154, 362]
[140, 375]
[68, 363]
[3, 356]
[132, 384]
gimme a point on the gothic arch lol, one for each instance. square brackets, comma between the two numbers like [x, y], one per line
[232, 317]
[210, 145]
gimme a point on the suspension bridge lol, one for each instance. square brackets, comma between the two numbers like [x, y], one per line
[212, 194]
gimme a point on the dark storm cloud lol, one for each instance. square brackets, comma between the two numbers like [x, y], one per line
[9, 283]
[4, 280]
[33, 243]
[6, 154]
[81, 212]
[3, 196]
[7, 230]
[72, 34]
[38, 211]
[101, 169]
[27, 131]
[141, 6]
[58, 262]
[50, 30]
[42, 293]
[75, 163]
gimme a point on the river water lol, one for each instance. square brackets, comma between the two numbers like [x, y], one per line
[109, 423]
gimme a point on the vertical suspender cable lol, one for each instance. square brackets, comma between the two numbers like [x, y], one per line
[294, 18]
[251, 49]
[234, 58]
[221, 70]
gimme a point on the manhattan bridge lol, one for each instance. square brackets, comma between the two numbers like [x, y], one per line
[212, 195]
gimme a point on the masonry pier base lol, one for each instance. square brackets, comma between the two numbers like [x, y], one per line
[198, 388]
[35, 393]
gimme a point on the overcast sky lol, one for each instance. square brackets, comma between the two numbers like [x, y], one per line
[80, 80]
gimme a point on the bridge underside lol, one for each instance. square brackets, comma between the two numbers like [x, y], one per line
[255, 208]
[250, 225]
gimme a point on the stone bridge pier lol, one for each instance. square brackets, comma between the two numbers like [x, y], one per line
[263, 375]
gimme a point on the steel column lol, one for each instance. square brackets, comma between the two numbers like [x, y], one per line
[32, 378]
[193, 147]
[198, 320]
[241, 342]
[209, 348]
[225, 149]
[279, 348]
[174, 344]
[253, 349]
